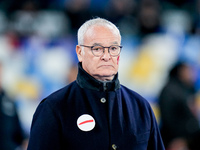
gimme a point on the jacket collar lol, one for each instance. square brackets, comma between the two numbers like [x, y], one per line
[85, 80]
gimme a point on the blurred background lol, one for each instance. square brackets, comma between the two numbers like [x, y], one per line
[37, 51]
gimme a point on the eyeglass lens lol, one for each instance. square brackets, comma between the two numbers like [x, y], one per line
[99, 50]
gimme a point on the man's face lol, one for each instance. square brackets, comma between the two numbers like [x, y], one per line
[103, 67]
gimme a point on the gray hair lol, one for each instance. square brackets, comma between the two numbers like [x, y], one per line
[97, 21]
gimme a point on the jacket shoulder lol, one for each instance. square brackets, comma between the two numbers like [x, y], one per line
[135, 98]
[61, 94]
[132, 93]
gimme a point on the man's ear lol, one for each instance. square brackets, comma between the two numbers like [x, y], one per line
[79, 53]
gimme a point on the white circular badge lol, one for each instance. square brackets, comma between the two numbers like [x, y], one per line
[86, 122]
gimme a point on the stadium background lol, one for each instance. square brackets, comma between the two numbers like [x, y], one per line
[38, 39]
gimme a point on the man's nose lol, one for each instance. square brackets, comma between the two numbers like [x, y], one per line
[106, 55]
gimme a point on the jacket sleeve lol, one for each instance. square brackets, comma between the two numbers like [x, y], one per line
[155, 140]
[45, 129]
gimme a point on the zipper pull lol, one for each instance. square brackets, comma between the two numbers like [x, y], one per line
[105, 86]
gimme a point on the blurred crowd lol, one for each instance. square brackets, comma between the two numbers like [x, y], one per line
[37, 57]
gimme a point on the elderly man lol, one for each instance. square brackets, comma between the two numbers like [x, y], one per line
[95, 112]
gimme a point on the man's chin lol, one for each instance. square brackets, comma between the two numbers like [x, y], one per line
[107, 73]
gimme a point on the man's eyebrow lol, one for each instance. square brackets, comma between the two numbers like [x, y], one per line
[115, 42]
[96, 44]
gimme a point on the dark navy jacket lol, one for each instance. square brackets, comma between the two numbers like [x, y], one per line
[120, 118]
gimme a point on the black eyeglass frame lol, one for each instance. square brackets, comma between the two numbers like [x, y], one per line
[91, 47]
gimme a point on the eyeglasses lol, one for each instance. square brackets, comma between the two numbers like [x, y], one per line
[113, 50]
